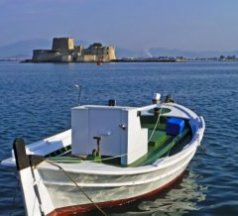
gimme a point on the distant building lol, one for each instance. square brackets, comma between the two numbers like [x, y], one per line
[63, 44]
[65, 50]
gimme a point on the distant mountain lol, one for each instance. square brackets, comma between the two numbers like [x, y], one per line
[23, 48]
[127, 53]
[156, 52]
[171, 52]
[189, 54]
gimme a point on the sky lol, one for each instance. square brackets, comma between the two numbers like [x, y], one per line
[194, 25]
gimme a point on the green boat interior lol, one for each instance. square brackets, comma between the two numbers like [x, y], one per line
[160, 144]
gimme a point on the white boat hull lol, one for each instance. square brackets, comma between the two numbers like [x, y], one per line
[115, 187]
[67, 196]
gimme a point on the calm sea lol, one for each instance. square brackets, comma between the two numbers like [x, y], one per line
[35, 102]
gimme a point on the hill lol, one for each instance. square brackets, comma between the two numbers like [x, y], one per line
[24, 49]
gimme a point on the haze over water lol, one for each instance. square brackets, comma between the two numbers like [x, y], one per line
[36, 100]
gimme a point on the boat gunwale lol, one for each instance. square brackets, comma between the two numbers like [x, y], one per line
[128, 183]
[161, 163]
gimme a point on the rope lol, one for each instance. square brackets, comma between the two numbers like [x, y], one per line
[156, 124]
[113, 157]
[79, 188]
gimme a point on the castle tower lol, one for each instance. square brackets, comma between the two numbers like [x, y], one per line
[63, 44]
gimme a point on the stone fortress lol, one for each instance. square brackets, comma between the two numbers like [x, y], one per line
[65, 50]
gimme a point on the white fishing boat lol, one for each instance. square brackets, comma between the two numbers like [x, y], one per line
[110, 156]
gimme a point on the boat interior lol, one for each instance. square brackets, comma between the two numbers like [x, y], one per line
[160, 144]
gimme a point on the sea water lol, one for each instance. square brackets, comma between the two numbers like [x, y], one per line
[35, 102]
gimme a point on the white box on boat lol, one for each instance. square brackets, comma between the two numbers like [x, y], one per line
[119, 128]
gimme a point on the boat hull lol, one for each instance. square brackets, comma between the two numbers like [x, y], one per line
[83, 208]
[68, 190]
[114, 196]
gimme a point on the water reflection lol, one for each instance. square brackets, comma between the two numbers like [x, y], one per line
[183, 198]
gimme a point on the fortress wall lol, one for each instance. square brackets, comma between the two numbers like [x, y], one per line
[87, 58]
[50, 56]
[104, 53]
[44, 55]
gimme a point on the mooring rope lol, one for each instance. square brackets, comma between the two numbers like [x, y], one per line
[79, 188]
